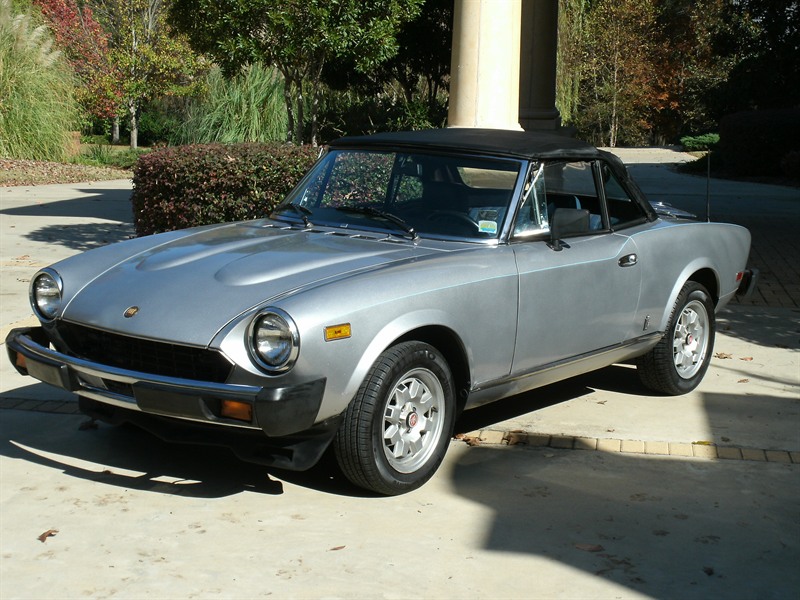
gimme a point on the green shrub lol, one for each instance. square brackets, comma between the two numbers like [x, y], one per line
[157, 127]
[351, 113]
[105, 155]
[698, 143]
[186, 186]
[94, 138]
[754, 142]
[37, 107]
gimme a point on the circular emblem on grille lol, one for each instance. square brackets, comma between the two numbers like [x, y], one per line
[129, 312]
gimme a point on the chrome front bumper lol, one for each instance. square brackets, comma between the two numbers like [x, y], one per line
[277, 411]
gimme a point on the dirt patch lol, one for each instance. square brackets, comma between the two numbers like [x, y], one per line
[34, 172]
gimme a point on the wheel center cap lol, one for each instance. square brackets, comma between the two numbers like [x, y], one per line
[689, 339]
[412, 419]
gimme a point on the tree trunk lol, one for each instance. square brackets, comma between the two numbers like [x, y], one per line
[134, 125]
[115, 130]
[289, 100]
[298, 125]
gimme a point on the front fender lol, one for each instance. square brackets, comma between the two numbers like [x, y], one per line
[390, 333]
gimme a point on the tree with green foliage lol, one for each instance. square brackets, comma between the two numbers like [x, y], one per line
[151, 59]
[571, 49]
[761, 39]
[37, 106]
[408, 91]
[640, 71]
[619, 72]
[298, 37]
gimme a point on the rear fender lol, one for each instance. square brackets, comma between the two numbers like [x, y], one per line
[699, 270]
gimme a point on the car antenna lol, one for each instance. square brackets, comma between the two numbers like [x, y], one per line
[708, 184]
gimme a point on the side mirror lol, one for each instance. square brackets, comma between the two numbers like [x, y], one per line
[568, 222]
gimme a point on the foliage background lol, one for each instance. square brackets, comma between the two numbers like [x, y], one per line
[630, 72]
[37, 103]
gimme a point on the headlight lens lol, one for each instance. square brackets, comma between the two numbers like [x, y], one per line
[46, 294]
[275, 341]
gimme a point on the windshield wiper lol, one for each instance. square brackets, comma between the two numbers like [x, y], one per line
[374, 212]
[298, 209]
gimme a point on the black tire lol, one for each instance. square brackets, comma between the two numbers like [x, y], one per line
[409, 396]
[680, 360]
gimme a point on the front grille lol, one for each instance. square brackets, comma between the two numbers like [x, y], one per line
[144, 356]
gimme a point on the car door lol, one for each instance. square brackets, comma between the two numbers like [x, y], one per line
[581, 295]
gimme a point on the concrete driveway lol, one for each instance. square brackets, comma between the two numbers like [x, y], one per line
[586, 489]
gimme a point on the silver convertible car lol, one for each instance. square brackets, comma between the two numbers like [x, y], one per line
[409, 276]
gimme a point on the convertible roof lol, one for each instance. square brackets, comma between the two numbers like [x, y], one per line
[504, 142]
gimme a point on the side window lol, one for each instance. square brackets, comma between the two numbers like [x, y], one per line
[409, 190]
[622, 209]
[571, 184]
[407, 181]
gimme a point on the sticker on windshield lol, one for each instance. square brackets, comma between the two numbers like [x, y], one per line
[487, 227]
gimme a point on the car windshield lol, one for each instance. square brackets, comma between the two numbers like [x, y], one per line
[407, 194]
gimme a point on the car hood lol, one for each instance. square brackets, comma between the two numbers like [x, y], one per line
[187, 289]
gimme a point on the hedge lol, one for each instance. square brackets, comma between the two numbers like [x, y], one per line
[186, 186]
[758, 142]
[697, 143]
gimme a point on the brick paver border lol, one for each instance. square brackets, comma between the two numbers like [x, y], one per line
[706, 450]
[702, 449]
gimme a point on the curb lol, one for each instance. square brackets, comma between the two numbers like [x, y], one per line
[700, 449]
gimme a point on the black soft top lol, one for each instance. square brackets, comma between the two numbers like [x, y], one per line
[501, 142]
[527, 145]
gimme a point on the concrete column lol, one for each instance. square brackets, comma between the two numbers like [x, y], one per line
[539, 49]
[484, 74]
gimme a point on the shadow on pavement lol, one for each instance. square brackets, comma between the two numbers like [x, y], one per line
[95, 203]
[82, 237]
[664, 527]
[521, 404]
[773, 327]
[128, 457]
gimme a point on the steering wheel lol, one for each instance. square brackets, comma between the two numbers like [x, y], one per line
[450, 215]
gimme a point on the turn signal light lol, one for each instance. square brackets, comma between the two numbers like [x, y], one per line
[337, 332]
[233, 409]
[21, 362]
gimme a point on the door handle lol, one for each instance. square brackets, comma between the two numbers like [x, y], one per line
[628, 260]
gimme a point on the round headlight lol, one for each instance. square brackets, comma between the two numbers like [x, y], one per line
[46, 294]
[275, 341]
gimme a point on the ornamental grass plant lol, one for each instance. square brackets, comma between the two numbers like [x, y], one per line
[37, 105]
[246, 108]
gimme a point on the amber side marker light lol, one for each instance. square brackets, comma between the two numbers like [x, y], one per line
[337, 332]
[21, 362]
[233, 409]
